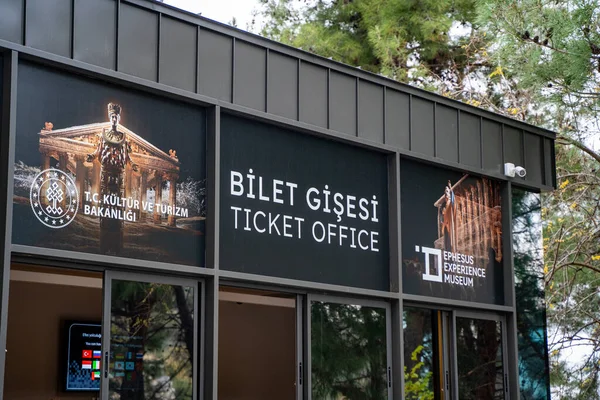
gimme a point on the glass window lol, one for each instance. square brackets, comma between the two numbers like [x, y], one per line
[349, 352]
[479, 359]
[151, 341]
[421, 354]
[529, 289]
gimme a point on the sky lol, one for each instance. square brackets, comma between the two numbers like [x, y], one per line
[220, 10]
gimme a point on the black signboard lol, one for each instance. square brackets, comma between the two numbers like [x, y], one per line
[296, 206]
[451, 234]
[100, 169]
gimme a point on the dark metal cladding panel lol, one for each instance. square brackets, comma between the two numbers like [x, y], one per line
[422, 135]
[513, 146]
[533, 158]
[250, 79]
[282, 86]
[469, 133]
[342, 103]
[446, 133]
[548, 162]
[313, 94]
[49, 26]
[11, 20]
[94, 37]
[138, 42]
[370, 111]
[397, 119]
[178, 54]
[491, 135]
[215, 60]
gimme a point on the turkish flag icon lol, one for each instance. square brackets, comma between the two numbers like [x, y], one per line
[86, 354]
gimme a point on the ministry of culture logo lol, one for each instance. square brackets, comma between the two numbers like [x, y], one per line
[54, 198]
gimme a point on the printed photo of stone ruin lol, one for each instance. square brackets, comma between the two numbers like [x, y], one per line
[107, 159]
[469, 219]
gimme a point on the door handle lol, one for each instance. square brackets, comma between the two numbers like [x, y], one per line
[106, 365]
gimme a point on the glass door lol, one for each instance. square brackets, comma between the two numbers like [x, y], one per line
[149, 339]
[349, 347]
[480, 357]
[453, 355]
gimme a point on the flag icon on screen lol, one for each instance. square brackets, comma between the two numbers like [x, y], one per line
[139, 355]
[95, 375]
[86, 364]
[86, 354]
[97, 354]
[96, 364]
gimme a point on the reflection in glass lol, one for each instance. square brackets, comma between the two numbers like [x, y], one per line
[349, 359]
[420, 354]
[152, 341]
[529, 289]
[479, 359]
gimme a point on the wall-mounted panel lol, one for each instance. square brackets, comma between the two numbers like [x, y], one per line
[533, 158]
[99, 169]
[397, 119]
[282, 86]
[138, 42]
[11, 20]
[250, 79]
[95, 32]
[178, 54]
[470, 140]
[319, 214]
[49, 26]
[446, 133]
[491, 137]
[422, 129]
[342, 103]
[513, 145]
[370, 111]
[313, 94]
[215, 65]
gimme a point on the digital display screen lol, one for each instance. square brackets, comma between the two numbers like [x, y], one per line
[84, 356]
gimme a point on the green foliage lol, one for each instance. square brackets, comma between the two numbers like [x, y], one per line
[417, 382]
[535, 60]
[349, 359]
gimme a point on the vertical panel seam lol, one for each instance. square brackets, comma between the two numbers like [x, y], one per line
[298, 66]
[72, 31]
[118, 30]
[523, 157]
[328, 98]
[502, 151]
[410, 121]
[357, 106]
[384, 114]
[24, 27]
[458, 130]
[197, 69]
[158, 45]
[267, 54]
[480, 142]
[435, 128]
[233, 47]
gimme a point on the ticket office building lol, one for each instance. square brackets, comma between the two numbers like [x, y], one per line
[194, 212]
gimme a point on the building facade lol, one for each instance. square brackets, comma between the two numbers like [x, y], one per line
[195, 212]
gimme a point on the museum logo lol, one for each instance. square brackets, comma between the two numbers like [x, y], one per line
[450, 267]
[54, 198]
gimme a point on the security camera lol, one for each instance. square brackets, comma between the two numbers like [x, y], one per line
[511, 170]
[520, 172]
